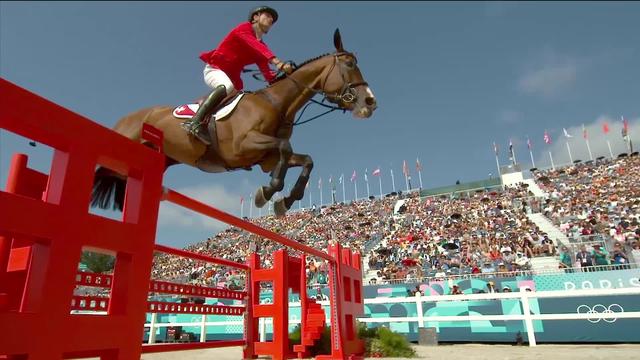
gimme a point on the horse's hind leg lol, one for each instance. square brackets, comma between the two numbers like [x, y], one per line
[297, 192]
[259, 141]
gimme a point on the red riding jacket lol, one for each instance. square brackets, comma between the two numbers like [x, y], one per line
[238, 49]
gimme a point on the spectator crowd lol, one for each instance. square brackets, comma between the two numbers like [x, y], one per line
[406, 237]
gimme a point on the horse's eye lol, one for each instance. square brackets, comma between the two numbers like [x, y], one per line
[350, 63]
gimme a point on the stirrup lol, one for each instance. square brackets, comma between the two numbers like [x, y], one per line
[187, 126]
[196, 131]
[202, 134]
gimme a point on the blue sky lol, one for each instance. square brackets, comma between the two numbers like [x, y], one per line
[450, 78]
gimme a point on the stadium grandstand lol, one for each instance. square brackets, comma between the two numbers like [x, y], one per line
[569, 228]
[482, 229]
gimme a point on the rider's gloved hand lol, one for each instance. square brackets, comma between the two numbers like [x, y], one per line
[282, 66]
[287, 68]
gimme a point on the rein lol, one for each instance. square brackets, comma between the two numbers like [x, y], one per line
[347, 94]
[331, 109]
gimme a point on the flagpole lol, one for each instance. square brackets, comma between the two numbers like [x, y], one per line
[495, 151]
[533, 163]
[242, 209]
[589, 148]
[609, 145]
[569, 151]
[406, 180]
[513, 153]
[320, 195]
[393, 181]
[355, 189]
[250, 205]
[553, 166]
[344, 197]
[627, 135]
[380, 182]
[366, 180]
[332, 188]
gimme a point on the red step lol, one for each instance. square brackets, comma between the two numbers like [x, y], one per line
[314, 326]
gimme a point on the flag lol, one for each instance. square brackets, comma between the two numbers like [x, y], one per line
[405, 168]
[376, 172]
[547, 138]
[418, 165]
[330, 179]
[529, 143]
[584, 132]
[307, 186]
[320, 183]
[341, 179]
[365, 175]
[241, 199]
[566, 134]
[353, 177]
[495, 148]
[605, 128]
[625, 127]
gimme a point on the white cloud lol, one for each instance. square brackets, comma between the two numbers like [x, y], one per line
[215, 195]
[596, 137]
[549, 79]
[549, 73]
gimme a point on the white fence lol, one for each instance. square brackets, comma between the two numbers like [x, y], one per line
[524, 296]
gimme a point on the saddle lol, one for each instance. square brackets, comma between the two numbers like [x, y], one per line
[211, 161]
[222, 111]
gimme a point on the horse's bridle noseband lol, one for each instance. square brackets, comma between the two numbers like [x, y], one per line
[347, 94]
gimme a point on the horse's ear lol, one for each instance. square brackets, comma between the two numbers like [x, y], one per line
[337, 40]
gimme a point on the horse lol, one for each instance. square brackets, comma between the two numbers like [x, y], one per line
[257, 131]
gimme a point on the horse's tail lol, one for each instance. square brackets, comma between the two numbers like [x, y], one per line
[108, 187]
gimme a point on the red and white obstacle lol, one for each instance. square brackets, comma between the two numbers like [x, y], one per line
[46, 224]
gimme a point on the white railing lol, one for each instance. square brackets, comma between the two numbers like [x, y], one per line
[523, 296]
[508, 274]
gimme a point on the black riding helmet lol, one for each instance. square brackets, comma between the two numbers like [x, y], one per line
[268, 9]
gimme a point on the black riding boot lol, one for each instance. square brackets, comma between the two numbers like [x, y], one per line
[194, 125]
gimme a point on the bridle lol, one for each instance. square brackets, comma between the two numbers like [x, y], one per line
[347, 94]
[343, 98]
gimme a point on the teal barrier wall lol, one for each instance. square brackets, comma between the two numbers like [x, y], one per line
[558, 331]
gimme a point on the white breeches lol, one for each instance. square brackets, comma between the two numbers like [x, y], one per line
[215, 77]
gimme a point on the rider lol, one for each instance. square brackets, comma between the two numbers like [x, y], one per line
[242, 46]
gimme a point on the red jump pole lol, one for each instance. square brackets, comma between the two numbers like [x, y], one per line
[189, 203]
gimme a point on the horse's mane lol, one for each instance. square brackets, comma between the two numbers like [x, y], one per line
[283, 75]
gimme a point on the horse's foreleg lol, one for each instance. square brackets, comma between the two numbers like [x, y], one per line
[297, 192]
[258, 141]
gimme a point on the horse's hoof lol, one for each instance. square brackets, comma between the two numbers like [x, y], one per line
[260, 200]
[279, 207]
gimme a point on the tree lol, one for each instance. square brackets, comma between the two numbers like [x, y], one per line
[96, 262]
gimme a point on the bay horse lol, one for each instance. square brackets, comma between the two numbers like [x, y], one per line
[257, 132]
